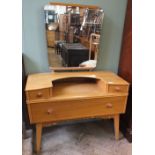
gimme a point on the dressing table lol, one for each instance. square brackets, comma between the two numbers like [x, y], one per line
[56, 97]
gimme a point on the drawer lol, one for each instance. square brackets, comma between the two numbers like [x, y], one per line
[117, 88]
[38, 94]
[51, 43]
[67, 110]
[51, 37]
[51, 34]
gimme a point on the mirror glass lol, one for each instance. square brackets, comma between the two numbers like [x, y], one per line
[73, 35]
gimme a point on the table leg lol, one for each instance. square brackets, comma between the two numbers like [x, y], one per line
[116, 126]
[38, 137]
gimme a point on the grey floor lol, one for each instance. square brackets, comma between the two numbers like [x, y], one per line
[89, 138]
[54, 59]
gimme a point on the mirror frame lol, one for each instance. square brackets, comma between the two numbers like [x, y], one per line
[73, 68]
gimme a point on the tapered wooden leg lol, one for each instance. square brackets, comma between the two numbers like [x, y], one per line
[38, 137]
[116, 126]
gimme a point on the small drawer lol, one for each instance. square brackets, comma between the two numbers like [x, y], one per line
[38, 94]
[118, 89]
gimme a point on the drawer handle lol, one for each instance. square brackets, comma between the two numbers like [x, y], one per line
[117, 88]
[39, 94]
[49, 111]
[109, 105]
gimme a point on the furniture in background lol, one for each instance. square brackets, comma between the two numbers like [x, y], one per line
[93, 51]
[62, 26]
[74, 23]
[74, 54]
[52, 36]
[86, 42]
[94, 42]
[74, 19]
[58, 46]
[125, 71]
[56, 97]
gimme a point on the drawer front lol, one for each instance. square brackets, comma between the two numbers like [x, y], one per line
[66, 110]
[51, 35]
[38, 94]
[118, 89]
[51, 43]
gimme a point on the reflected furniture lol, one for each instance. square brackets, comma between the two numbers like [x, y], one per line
[74, 54]
[71, 23]
[56, 97]
[51, 37]
[58, 46]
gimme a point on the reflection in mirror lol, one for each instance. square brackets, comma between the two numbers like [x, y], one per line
[73, 35]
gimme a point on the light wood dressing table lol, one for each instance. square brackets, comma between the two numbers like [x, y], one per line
[55, 97]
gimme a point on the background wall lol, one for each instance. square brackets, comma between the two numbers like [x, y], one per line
[34, 36]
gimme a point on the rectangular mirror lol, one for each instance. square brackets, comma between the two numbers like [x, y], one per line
[73, 35]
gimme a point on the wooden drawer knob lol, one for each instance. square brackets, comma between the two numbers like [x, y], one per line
[117, 88]
[109, 105]
[49, 111]
[39, 94]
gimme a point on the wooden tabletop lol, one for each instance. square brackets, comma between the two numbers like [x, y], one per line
[44, 80]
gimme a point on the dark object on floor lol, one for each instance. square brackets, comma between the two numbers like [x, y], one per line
[73, 54]
[58, 45]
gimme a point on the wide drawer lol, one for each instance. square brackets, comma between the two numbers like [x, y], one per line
[38, 94]
[65, 110]
[117, 88]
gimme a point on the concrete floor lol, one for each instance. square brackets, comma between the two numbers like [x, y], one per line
[89, 138]
[54, 59]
